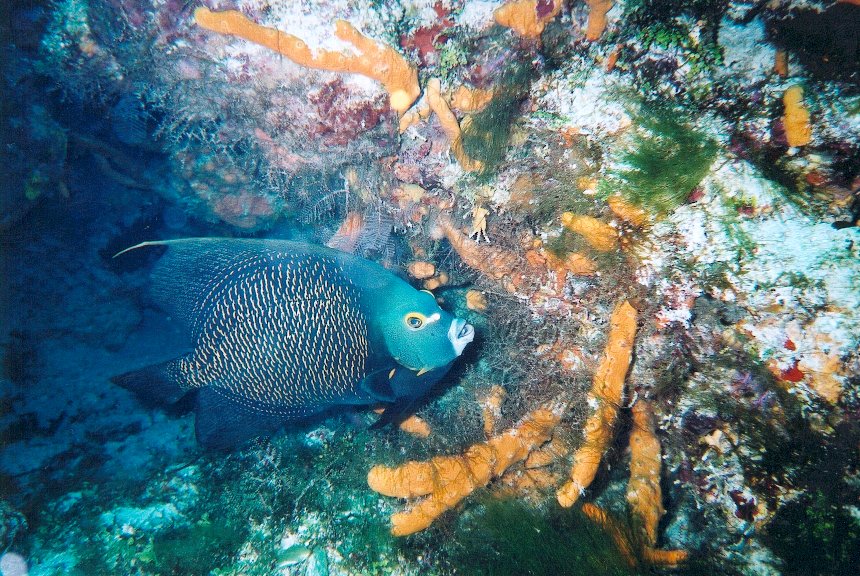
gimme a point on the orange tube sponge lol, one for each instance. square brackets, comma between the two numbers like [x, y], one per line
[491, 408]
[382, 63]
[447, 480]
[625, 546]
[547, 454]
[597, 10]
[643, 489]
[599, 516]
[522, 16]
[599, 235]
[795, 119]
[606, 392]
[450, 126]
[780, 63]
[574, 262]
[526, 276]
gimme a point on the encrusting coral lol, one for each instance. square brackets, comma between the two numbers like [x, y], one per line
[605, 397]
[795, 119]
[527, 17]
[382, 63]
[447, 480]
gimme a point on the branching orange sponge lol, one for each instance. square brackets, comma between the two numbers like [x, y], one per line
[597, 10]
[605, 396]
[527, 17]
[446, 480]
[451, 126]
[377, 61]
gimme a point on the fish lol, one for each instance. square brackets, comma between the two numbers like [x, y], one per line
[280, 331]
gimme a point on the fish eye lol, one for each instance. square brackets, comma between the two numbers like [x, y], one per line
[414, 320]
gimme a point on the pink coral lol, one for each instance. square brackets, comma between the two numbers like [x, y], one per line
[244, 210]
[341, 120]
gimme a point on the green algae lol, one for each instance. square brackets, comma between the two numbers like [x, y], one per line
[815, 535]
[508, 537]
[197, 549]
[486, 133]
[666, 160]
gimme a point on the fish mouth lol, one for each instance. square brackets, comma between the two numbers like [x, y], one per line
[460, 334]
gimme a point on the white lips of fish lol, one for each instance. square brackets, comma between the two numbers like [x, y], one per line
[460, 334]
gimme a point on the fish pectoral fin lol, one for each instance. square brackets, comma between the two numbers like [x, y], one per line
[377, 386]
[223, 423]
[395, 413]
[159, 383]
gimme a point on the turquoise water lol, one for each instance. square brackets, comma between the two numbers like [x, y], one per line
[649, 224]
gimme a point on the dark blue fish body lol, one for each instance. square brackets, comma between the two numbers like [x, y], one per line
[281, 331]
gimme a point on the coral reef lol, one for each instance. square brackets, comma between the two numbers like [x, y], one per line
[648, 210]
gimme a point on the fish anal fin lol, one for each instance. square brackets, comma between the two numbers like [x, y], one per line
[223, 423]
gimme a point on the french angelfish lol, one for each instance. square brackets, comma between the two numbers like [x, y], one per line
[280, 331]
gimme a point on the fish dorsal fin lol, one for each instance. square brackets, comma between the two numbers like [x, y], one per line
[185, 273]
[191, 270]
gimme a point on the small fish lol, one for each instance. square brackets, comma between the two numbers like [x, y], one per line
[280, 331]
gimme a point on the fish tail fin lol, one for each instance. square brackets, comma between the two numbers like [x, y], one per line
[158, 383]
